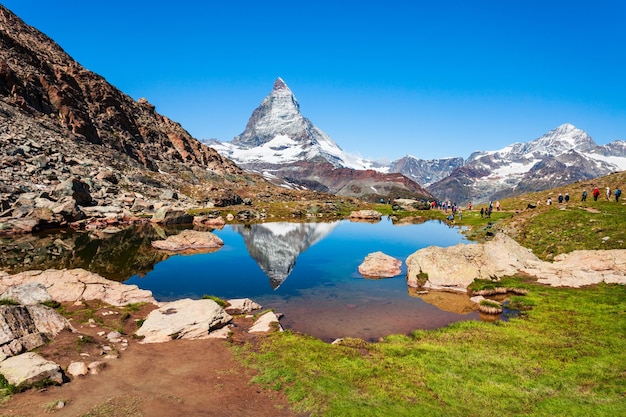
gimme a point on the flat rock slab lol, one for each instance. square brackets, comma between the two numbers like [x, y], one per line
[183, 319]
[380, 265]
[29, 293]
[190, 240]
[70, 285]
[29, 368]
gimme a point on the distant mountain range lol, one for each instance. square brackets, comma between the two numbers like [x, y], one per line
[285, 146]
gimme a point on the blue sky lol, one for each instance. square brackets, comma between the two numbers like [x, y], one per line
[382, 78]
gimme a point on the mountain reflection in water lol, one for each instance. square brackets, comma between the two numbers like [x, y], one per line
[307, 271]
[276, 246]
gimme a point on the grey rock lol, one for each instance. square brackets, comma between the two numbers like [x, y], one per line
[30, 368]
[23, 328]
[30, 293]
[183, 319]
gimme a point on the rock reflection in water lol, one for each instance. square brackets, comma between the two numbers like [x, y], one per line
[276, 246]
[115, 256]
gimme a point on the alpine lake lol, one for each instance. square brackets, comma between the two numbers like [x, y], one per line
[305, 271]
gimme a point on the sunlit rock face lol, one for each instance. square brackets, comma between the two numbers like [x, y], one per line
[276, 246]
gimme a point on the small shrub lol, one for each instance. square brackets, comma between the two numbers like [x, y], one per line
[8, 302]
[222, 303]
[52, 304]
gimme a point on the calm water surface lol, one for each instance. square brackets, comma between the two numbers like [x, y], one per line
[309, 273]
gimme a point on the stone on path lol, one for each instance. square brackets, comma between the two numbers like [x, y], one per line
[30, 368]
[183, 319]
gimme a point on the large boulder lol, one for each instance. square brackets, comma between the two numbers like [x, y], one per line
[456, 267]
[380, 265]
[183, 319]
[75, 188]
[30, 368]
[70, 285]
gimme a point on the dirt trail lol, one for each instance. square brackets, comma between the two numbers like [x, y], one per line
[177, 378]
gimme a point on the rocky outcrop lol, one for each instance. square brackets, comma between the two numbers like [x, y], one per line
[78, 284]
[456, 267]
[30, 293]
[183, 319]
[23, 328]
[582, 267]
[380, 265]
[190, 240]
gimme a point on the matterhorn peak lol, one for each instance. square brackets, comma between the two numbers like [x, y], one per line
[279, 84]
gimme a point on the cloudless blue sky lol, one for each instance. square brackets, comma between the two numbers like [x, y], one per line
[382, 78]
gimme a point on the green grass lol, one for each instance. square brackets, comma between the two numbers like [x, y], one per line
[567, 356]
[560, 231]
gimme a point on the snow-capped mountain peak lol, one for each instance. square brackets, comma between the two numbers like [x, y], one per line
[278, 133]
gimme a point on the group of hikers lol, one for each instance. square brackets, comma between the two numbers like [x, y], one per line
[617, 193]
[455, 210]
[596, 193]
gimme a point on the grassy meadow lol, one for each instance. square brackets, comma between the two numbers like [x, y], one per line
[565, 355]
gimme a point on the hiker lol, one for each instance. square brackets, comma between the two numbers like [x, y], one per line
[566, 197]
[596, 194]
[560, 198]
[608, 193]
[482, 212]
[584, 197]
[618, 193]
